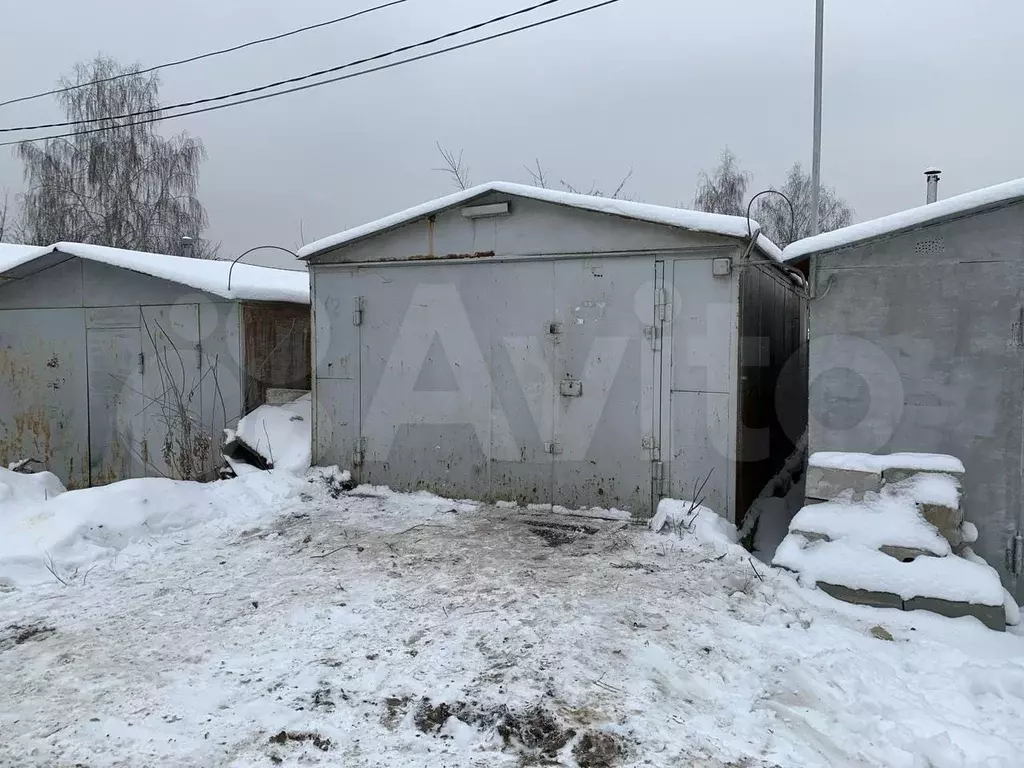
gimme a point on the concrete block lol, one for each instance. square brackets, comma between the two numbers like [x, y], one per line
[861, 596]
[905, 554]
[827, 483]
[896, 474]
[992, 616]
[811, 535]
[948, 520]
[809, 501]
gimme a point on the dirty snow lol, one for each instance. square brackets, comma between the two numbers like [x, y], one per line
[914, 217]
[279, 433]
[63, 538]
[248, 282]
[696, 221]
[294, 624]
[17, 488]
[867, 462]
[851, 564]
[882, 519]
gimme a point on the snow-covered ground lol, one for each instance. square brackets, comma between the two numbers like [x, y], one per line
[275, 619]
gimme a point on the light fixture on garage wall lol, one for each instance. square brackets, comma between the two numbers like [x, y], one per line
[487, 211]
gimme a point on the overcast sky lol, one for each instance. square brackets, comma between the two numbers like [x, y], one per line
[657, 85]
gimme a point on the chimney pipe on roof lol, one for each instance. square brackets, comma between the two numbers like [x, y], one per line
[932, 175]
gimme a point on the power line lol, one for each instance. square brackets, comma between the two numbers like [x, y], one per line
[211, 54]
[308, 86]
[288, 81]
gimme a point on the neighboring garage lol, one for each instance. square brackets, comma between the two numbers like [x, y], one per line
[509, 342]
[917, 344]
[118, 364]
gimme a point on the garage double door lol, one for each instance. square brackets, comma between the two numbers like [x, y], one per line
[536, 381]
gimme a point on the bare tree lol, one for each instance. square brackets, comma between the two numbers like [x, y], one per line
[782, 227]
[454, 167]
[725, 190]
[3, 217]
[125, 186]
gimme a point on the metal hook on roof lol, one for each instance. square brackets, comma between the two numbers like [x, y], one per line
[257, 248]
[792, 211]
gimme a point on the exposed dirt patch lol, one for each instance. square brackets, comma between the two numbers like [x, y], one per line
[552, 536]
[320, 742]
[534, 733]
[395, 708]
[598, 749]
[536, 730]
[16, 634]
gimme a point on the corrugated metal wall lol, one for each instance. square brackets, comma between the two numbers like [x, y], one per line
[772, 377]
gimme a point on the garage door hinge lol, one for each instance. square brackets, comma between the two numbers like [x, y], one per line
[653, 334]
[553, 448]
[658, 477]
[359, 452]
[199, 355]
[650, 443]
[1015, 555]
[357, 312]
[660, 304]
[142, 363]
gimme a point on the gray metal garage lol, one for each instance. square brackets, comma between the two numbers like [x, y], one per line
[917, 344]
[515, 343]
[118, 364]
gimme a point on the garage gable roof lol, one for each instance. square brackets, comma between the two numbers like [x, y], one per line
[951, 207]
[248, 282]
[695, 221]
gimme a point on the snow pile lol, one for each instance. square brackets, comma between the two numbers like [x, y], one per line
[17, 488]
[868, 462]
[855, 566]
[280, 434]
[695, 523]
[77, 529]
[841, 542]
[886, 519]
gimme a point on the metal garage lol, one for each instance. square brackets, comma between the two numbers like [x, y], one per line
[516, 343]
[118, 364]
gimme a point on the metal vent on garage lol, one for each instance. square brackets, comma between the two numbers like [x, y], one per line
[930, 246]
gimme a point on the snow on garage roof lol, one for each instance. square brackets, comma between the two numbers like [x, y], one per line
[696, 221]
[248, 282]
[914, 217]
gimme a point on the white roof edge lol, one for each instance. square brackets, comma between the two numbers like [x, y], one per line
[248, 282]
[681, 218]
[924, 214]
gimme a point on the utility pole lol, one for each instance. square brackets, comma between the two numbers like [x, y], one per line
[819, 34]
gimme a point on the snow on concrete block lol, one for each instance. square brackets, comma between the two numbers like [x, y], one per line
[861, 596]
[869, 462]
[992, 616]
[883, 520]
[899, 474]
[832, 483]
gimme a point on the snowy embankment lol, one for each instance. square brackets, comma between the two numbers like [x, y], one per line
[275, 619]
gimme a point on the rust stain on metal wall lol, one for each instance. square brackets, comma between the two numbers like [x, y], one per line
[276, 344]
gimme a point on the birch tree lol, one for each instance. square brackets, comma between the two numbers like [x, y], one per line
[125, 186]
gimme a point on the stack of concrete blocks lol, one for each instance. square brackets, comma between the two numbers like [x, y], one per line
[828, 482]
